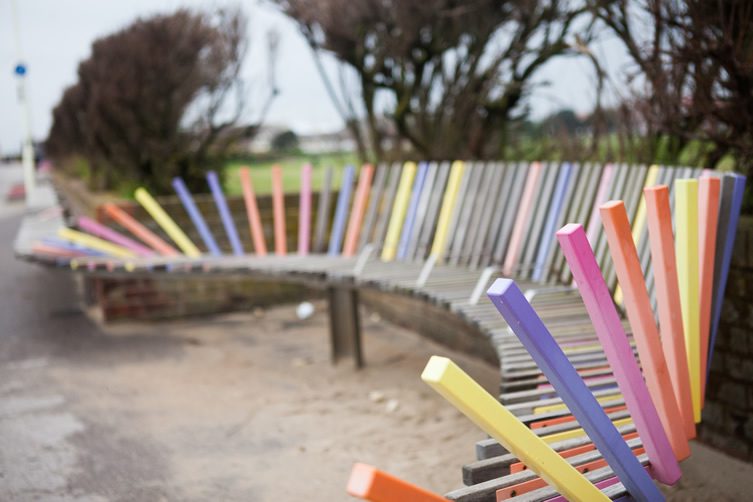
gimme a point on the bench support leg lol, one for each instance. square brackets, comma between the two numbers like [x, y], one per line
[344, 324]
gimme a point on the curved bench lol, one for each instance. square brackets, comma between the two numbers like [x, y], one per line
[442, 233]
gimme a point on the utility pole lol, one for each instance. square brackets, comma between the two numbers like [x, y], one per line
[27, 151]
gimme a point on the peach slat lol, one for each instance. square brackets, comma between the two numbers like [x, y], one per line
[641, 318]
[252, 211]
[278, 207]
[138, 230]
[662, 245]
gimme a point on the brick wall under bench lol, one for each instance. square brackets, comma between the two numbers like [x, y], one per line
[165, 297]
[728, 414]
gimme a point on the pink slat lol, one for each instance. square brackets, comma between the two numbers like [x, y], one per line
[304, 213]
[614, 340]
[526, 206]
[89, 225]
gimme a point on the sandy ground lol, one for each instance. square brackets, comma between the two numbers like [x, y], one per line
[236, 407]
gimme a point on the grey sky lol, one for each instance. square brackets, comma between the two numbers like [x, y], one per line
[57, 34]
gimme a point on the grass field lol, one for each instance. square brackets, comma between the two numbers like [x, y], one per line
[291, 172]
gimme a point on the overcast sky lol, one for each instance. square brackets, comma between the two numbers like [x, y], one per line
[57, 34]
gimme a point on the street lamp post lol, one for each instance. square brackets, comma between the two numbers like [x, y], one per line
[27, 151]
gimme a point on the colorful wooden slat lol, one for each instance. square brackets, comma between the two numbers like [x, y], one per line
[225, 215]
[523, 216]
[535, 337]
[196, 217]
[322, 211]
[485, 411]
[369, 483]
[580, 211]
[140, 231]
[667, 289]
[278, 212]
[410, 216]
[536, 483]
[608, 327]
[97, 229]
[468, 228]
[376, 194]
[601, 485]
[686, 244]
[578, 432]
[359, 210]
[547, 236]
[341, 212]
[709, 189]
[502, 236]
[61, 248]
[304, 211]
[467, 202]
[448, 206]
[641, 317]
[252, 212]
[602, 194]
[733, 188]
[624, 189]
[492, 205]
[570, 452]
[533, 234]
[50, 250]
[166, 223]
[95, 243]
[573, 200]
[389, 251]
[427, 208]
[639, 222]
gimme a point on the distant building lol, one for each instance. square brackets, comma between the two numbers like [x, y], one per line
[261, 142]
[340, 141]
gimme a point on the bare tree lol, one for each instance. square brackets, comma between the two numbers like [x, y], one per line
[159, 98]
[451, 75]
[694, 72]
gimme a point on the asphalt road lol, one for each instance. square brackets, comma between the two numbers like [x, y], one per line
[44, 442]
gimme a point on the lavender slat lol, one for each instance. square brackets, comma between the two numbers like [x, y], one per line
[227, 218]
[519, 314]
[198, 220]
[341, 212]
[410, 218]
[547, 235]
